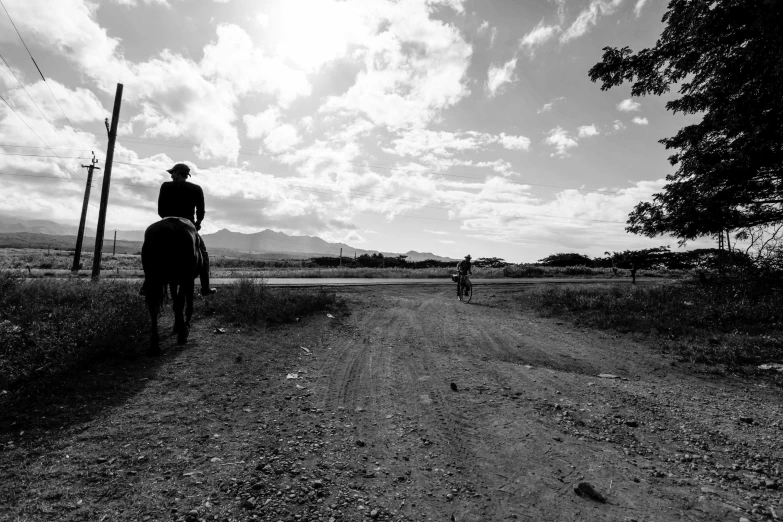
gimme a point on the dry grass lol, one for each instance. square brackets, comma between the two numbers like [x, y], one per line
[735, 323]
[49, 326]
[251, 302]
[41, 262]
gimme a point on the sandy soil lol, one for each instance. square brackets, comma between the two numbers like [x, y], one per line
[408, 405]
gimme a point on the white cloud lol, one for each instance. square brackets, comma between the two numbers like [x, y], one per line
[412, 70]
[514, 142]
[262, 123]
[561, 140]
[502, 167]
[638, 8]
[436, 232]
[79, 105]
[617, 125]
[587, 131]
[549, 105]
[483, 28]
[282, 138]
[354, 237]
[435, 146]
[539, 35]
[262, 19]
[497, 77]
[307, 123]
[235, 61]
[628, 105]
[134, 3]
[640, 121]
[278, 137]
[589, 17]
[421, 141]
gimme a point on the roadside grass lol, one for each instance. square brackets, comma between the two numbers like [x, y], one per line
[43, 259]
[38, 262]
[49, 326]
[251, 302]
[736, 323]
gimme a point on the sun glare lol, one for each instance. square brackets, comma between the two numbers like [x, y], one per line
[310, 33]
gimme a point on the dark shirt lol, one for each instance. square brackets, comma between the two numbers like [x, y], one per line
[463, 267]
[181, 199]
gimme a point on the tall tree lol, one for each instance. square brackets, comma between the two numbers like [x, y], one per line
[726, 59]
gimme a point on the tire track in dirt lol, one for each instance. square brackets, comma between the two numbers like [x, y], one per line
[501, 445]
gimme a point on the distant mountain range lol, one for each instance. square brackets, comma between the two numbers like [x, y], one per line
[264, 242]
[10, 225]
[271, 241]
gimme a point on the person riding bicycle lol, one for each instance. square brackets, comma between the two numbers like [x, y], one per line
[180, 198]
[463, 269]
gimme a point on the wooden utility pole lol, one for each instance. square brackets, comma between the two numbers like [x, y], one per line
[341, 257]
[114, 248]
[80, 236]
[115, 119]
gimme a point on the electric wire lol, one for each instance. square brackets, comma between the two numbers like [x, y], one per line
[245, 152]
[321, 190]
[41, 73]
[40, 138]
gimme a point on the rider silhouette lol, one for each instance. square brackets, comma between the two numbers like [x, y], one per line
[180, 198]
[463, 268]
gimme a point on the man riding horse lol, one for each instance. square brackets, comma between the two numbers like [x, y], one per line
[180, 198]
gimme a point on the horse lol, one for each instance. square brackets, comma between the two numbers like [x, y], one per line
[170, 257]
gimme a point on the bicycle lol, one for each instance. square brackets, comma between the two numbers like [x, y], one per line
[464, 288]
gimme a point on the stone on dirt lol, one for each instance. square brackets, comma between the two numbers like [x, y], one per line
[585, 489]
[607, 376]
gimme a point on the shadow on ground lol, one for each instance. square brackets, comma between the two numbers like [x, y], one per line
[42, 411]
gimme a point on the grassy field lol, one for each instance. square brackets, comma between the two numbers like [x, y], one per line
[734, 323]
[50, 326]
[43, 262]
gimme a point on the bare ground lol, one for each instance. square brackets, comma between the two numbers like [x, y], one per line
[372, 427]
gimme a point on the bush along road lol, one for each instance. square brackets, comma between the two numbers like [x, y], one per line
[404, 405]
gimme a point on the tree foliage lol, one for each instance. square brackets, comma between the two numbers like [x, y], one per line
[726, 59]
[566, 259]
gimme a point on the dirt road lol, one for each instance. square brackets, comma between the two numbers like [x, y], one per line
[407, 406]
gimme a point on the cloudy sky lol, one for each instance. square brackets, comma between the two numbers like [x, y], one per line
[450, 126]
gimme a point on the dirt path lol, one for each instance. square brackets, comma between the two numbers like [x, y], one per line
[372, 428]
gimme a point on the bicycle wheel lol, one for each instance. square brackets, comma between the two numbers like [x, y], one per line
[467, 292]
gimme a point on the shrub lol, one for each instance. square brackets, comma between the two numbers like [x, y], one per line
[250, 302]
[48, 326]
[737, 322]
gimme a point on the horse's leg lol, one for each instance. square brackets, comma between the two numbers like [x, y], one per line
[179, 312]
[188, 291]
[153, 305]
[173, 290]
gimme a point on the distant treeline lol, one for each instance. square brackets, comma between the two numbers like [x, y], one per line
[381, 261]
[653, 259]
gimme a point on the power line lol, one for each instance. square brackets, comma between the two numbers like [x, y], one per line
[36, 134]
[539, 217]
[36, 147]
[241, 152]
[245, 152]
[321, 190]
[41, 73]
